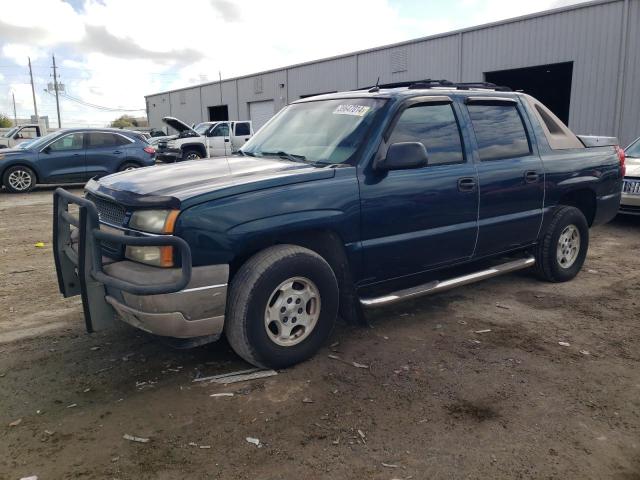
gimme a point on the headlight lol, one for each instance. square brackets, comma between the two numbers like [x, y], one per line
[157, 256]
[171, 144]
[154, 221]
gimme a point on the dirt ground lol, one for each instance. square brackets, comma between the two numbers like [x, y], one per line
[439, 399]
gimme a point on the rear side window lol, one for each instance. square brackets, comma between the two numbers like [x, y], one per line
[434, 126]
[102, 139]
[499, 131]
[242, 128]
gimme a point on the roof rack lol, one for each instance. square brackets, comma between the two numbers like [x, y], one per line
[429, 83]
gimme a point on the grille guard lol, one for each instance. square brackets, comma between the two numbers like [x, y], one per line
[81, 273]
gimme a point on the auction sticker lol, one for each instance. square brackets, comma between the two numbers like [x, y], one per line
[355, 110]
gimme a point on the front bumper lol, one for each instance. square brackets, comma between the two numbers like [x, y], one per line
[186, 302]
[169, 155]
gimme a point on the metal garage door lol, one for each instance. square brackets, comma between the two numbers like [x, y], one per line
[260, 112]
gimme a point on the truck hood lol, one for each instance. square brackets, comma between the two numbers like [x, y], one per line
[633, 167]
[205, 179]
[178, 125]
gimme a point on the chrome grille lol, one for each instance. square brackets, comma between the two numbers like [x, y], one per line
[631, 187]
[108, 212]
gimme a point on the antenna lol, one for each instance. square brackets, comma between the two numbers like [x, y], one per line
[375, 88]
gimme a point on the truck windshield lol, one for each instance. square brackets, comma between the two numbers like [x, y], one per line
[633, 150]
[202, 127]
[324, 131]
[11, 132]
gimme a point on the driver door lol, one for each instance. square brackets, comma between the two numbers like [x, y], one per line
[63, 160]
[417, 219]
[218, 140]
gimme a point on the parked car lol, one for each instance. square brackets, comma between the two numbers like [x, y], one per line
[341, 203]
[72, 156]
[19, 134]
[630, 203]
[207, 139]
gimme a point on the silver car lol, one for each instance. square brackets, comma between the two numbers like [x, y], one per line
[630, 202]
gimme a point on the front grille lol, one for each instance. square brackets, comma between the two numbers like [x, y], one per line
[108, 212]
[631, 187]
[113, 214]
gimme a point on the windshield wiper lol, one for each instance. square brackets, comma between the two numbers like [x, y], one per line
[289, 156]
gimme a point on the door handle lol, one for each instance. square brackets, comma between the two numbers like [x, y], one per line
[117, 152]
[531, 176]
[466, 184]
[226, 140]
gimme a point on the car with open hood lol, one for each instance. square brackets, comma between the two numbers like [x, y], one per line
[341, 203]
[204, 140]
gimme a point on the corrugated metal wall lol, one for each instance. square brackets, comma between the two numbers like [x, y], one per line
[591, 36]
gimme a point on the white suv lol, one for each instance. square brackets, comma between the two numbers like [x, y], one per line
[207, 139]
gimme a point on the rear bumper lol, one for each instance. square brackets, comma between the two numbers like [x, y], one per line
[630, 204]
[183, 302]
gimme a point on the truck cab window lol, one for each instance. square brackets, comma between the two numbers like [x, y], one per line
[434, 126]
[242, 128]
[499, 131]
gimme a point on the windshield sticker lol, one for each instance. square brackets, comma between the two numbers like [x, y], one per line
[355, 110]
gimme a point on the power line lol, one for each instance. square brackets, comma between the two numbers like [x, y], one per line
[66, 96]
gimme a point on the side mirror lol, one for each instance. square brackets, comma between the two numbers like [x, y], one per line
[17, 136]
[404, 155]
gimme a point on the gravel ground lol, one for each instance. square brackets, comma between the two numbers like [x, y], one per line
[438, 399]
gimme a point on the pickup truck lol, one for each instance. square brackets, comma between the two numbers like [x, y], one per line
[342, 203]
[19, 134]
[207, 139]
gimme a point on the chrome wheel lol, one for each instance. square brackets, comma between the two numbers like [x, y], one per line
[292, 312]
[20, 180]
[568, 246]
[130, 167]
[192, 156]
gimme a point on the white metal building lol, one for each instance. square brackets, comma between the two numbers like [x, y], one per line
[582, 61]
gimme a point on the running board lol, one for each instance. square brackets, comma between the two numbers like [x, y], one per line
[440, 286]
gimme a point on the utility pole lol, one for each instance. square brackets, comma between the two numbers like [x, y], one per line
[15, 116]
[33, 92]
[55, 87]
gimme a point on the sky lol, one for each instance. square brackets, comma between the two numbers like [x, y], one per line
[111, 53]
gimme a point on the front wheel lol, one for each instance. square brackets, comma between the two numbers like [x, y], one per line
[19, 179]
[562, 249]
[283, 304]
[191, 155]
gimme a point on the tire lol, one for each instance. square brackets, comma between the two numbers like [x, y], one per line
[262, 340]
[191, 154]
[19, 179]
[128, 166]
[558, 257]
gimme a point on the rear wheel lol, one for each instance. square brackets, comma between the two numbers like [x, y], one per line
[562, 249]
[191, 154]
[128, 166]
[19, 179]
[283, 304]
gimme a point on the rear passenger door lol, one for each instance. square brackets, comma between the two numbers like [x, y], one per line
[105, 152]
[416, 219]
[510, 173]
[241, 134]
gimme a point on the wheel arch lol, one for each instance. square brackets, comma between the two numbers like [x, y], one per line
[584, 199]
[329, 245]
[129, 160]
[29, 165]
[194, 146]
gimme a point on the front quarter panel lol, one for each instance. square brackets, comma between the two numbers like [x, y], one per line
[223, 230]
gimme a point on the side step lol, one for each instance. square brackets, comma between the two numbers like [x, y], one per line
[440, 286]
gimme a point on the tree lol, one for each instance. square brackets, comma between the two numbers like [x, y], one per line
[125, 121]
[5, 121]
